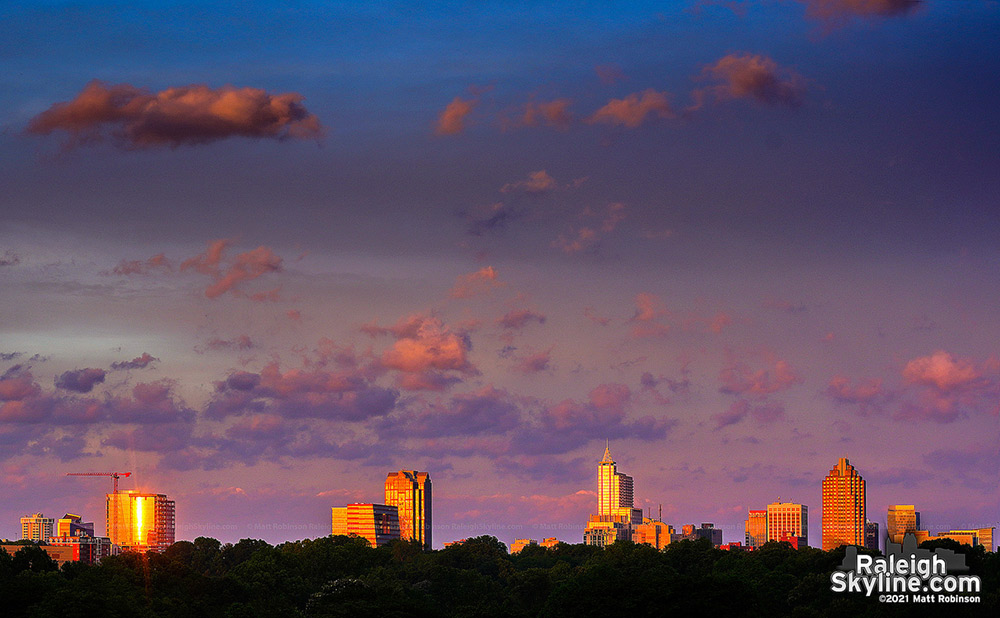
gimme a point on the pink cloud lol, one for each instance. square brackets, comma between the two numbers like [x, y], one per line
[451, 121]
[537, 182]
[185, 115]
[534, 363]
[17, 384]
[158, 262]
[840, 10]
[609, 74]
[553, 114]
[750, 76]
[516, 319]
[647, 319]
[244, 267]
[588, 237]
[634, 109]
[739, 379]
[942, 371]
[472, 284]
[762, 414]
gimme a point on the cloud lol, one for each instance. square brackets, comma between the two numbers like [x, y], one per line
[158, 262]
[537, 182]
[749, 76]
[489, 219]
[516, 319]
[739, 379]
[534, 363]
[185, 115]
[485, 411]
[451, 121]
[139, 362]
[942, 371]
[80, 380]
[609, 74]
[587, 237]
[634, 109]
[841, 10]
[869, 395]
[150, 403]
[9, 258]
[553, 114]
[472, 284]
[647, 319]
[425, 348]
[240, 342]
[17, 384]
[244, 267]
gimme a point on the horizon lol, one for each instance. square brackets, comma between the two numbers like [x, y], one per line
[260, 257]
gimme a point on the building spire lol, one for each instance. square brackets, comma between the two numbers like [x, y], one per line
[607, 453]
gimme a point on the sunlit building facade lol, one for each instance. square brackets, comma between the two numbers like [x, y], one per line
[843, 517]
[139, 521]
[378, 523]
[519, 544]
[652, 532]
[410, 492]
[616, 515]
[36, 527]
[756, 528]
[900, 519]
[787, 519]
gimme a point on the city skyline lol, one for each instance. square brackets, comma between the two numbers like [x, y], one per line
[260, 255]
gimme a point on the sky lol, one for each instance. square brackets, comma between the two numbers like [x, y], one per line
[262, 255]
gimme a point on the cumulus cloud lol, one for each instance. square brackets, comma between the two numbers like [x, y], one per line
[739, 379]
[158, 262]
[647, 321]
[553, 114]
[869, 395]
[451, 121]
[947, 388]
[139, 362]
[185, 115]
[751, 76]
[424, 350]
[228, 276]
[942, 371]
[516, 319]
[634, 109]
[485, 411]
[472, 284]
[80, 380]
[537, 182]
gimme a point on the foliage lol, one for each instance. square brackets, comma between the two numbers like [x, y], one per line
[342, 576]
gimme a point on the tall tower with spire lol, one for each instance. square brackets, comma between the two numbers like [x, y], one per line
[615, 511]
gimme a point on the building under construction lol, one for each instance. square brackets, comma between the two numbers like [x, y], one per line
[140, 521]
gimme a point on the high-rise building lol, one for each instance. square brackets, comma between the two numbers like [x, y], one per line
[410, 492]
[652, 532]
[614, 492]
[73, 525]
[616, 514]
[871, 535]
[901, 518]
[843, 507]
[140, 521]
[36, 527]
[787, 519]
[756, 528]
[379, 523]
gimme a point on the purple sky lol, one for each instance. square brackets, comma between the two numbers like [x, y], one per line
[260, 257]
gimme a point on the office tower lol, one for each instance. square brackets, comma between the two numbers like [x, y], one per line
[756, 528]
[378, 523]
[616, 514]
[788, 522]
[614, 493]
[73, 525]
[871, 535]
[410, 492]
[139, 521]
[36, 527]
[843, 507]
[652, 532]
[901, 518]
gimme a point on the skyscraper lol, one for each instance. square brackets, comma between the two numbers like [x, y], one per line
[36, 527]
[756, 528]
[410, 492]
[378, 523]
[139, 521]
[843, 507]
[616, 514]
[900, 519]
[787, 521]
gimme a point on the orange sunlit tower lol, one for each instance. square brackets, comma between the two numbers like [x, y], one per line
[140, 521]
[410, 492]
[843, 507]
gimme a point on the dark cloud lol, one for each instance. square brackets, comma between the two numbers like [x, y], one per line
[151, 403]
[139, 362]
[80, 380]
[186, 115]
[519, 318]
[240, 342]
[486, 411]
[9, 356]
[9, 258]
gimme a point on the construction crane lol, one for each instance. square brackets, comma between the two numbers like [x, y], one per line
[113, 475]
[117, 505]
